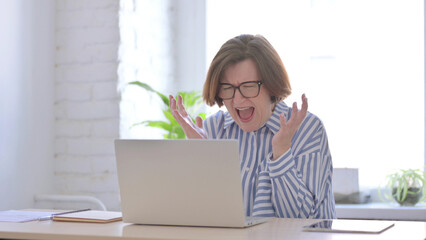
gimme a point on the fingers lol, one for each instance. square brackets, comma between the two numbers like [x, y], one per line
[282, 139]
[181, 108]
[172, 104]
[282, 120]
[179, 112]
[190, 129]
[294, 111]
[296, 115]
[304, 103]
[199, 121]
[174, 111]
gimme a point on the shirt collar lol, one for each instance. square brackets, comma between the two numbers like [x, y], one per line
[228, 120]
[274, 121]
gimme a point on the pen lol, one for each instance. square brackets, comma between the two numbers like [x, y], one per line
[50, 217]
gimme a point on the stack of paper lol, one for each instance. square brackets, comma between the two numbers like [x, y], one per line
[23, 216]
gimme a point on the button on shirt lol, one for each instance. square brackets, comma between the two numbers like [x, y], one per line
[296, 185]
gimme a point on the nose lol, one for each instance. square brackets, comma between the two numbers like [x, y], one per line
[238, 97]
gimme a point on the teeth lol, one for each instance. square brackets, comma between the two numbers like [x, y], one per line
[242, 109]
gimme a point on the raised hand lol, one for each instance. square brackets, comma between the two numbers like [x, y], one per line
[281, 142]
[190, 129]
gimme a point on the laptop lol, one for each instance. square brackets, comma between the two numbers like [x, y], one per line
[181, 182]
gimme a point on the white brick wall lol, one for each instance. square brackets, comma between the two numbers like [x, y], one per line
[89, 38]
[87, 102]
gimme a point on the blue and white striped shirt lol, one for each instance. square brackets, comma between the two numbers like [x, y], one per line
[298, 184]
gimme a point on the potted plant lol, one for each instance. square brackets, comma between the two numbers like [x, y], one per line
[192, 102]
[406, 186]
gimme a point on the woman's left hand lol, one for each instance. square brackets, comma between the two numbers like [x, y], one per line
[281, 142]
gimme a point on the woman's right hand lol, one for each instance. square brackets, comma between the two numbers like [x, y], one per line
[190, 129]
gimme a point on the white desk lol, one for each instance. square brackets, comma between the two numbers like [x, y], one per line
[282, 229]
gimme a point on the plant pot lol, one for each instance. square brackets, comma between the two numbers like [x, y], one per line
[413, 196]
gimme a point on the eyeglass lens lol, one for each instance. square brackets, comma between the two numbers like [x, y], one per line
[247, 89]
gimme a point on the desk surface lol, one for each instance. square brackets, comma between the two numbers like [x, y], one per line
[274, 229]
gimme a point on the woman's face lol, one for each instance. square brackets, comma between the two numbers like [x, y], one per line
[249, 113]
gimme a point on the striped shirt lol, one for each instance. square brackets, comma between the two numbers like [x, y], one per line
[296, 185]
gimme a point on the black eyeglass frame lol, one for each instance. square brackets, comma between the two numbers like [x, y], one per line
[259, 83]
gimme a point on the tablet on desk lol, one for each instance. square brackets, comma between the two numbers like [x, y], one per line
[350, 226]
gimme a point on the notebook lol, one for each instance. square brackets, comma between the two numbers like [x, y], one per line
[90, 216]
[181, 182]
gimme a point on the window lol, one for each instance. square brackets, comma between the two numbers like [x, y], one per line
[360, 63]
[162, 44]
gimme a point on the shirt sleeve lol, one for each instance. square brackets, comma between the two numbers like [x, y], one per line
[299, 183]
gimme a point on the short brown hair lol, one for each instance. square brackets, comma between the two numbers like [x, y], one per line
[240, 48]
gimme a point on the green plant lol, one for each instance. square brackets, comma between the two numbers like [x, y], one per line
[191, 100]
[406, 186]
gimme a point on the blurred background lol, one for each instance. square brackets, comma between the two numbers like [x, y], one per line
[66, 65]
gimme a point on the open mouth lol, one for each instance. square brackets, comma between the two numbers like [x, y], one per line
[245, 114]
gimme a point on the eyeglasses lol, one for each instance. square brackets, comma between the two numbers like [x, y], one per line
[247, 89]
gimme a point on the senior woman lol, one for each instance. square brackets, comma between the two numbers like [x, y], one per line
[286, 166]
